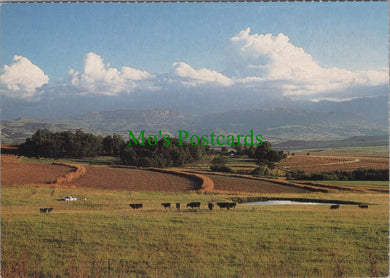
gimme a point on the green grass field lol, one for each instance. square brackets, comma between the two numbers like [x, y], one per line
[104, 237]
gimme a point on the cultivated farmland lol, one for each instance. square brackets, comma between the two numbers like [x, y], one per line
[233, 184]
[319, 162]
[14, 172]
[102, 177]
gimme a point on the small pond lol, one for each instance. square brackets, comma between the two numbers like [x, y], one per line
[287, 202]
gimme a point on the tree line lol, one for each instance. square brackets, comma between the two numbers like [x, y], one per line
[80, 144]
[67, 144]
[160, 155]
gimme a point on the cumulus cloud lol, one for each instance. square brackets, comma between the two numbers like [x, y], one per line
[263, 58]
[22, 79]
[188, 76]
[99, 78]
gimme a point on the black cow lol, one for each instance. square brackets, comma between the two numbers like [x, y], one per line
[194, 205]
[43, 210]
[226, 205]
[334, 206]
[363, 206]
[166, 205]
[178, 206]
[211, 206]
[222, 205]
[135, 206]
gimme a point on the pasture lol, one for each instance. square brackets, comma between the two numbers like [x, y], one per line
[105, 237]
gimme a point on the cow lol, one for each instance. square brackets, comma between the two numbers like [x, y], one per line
[178, 206]
[222, 205]
[226, 205]
[211, 206]
[45, 210]
[363, 206]
[334, 206]
[135, 206]
[194, 205]
[166, 205]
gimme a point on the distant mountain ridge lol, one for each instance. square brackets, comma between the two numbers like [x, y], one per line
[320, 121]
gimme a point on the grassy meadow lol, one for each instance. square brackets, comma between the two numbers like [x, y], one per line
[104, 237]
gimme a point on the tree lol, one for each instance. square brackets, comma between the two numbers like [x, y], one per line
[219, 164]
[219, 159]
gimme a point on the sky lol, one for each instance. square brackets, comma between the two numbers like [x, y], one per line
[301, 50]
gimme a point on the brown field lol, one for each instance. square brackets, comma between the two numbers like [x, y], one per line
[14, 172]
[225, 183]
[332, 162]
[102, 177]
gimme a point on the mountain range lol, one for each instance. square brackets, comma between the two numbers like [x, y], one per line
[324, 120]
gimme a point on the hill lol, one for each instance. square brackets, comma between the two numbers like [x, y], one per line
[324, 120]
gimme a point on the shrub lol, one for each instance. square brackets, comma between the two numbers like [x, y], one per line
[221, 168]
[260, 171]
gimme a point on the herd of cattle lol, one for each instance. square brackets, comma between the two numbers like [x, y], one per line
[227, 205]
[192, 205]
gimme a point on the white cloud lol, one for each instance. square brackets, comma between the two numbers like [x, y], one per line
[263, 58]
[189, 76]
[333, 99]
[22, 79]
[101, 79]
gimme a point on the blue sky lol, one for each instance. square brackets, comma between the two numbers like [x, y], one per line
[304, 50]
[153, 36]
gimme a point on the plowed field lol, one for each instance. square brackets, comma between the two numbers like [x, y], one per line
[323, 163]
[14, 172]
[102, 177]
[248, 185]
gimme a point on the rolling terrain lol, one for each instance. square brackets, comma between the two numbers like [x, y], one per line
[101, 236]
